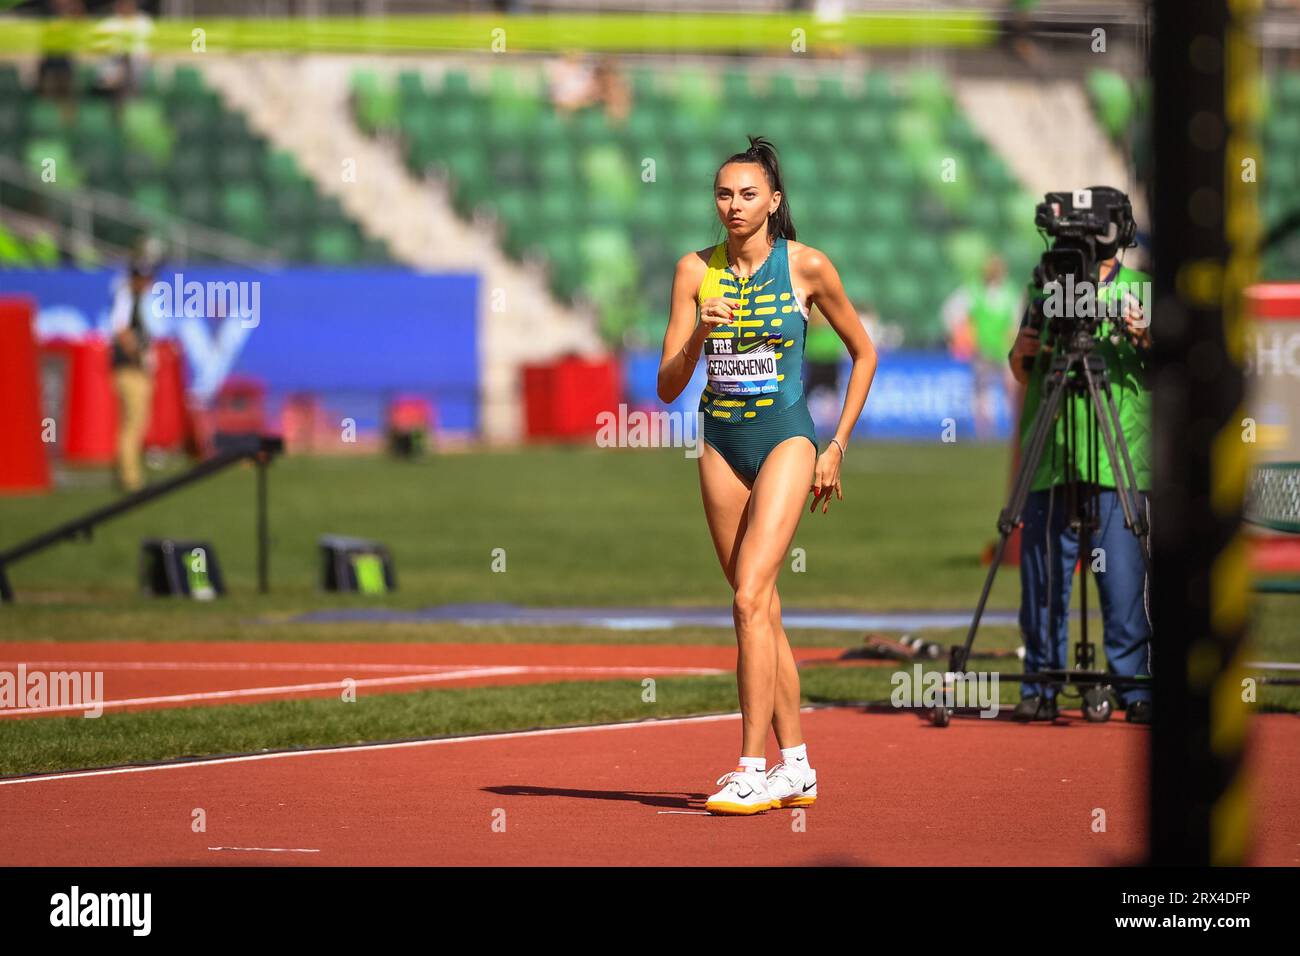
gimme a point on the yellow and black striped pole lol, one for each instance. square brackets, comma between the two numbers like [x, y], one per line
[1206, 235]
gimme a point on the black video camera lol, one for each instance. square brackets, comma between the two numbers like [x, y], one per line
[1088, 226]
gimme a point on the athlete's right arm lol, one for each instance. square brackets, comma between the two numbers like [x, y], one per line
[685, 335]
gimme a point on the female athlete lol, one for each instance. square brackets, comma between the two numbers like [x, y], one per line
[754, 291]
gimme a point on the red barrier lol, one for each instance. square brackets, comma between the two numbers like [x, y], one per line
[90, 407]
[23, 464]
[167, 416]
[562, 399]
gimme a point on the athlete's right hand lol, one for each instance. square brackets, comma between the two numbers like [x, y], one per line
[717, 311]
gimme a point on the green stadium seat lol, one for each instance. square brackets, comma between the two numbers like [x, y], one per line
[243, 212]
[94, 127]
[293, 246]
[12, 132]
[53, 155]
[455, 87]
[377, 105]
[198, 203]
[867, 128]
[280, 169]
[644, 83]
[10, 84]
[44, 120]
[145, 128]
[374, 252]
[411, 88]
[1112, 100]
[878, 90]
[293, 209]
[14, 253]
[238, 162]
[43, 249]
[334, 246]
[608, 173]
[696, 94]
[153, 197]
[1288, 90]
[138, 164]
[736, 86]
[187, 84]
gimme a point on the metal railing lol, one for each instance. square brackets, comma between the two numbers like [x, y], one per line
[76, 211]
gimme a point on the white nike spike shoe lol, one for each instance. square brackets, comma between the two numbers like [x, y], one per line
[743, 793]
[792, 786]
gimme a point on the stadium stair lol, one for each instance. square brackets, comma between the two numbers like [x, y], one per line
[302, 105]
[1046, 133]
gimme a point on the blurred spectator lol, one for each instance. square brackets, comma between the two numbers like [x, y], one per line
[132, 362]
[613, 91]
[125, 37]
[56, 74]
[983, 319]
[574, 84]
[571, 82]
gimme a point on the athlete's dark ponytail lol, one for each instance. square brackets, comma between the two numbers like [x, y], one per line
[761, 151]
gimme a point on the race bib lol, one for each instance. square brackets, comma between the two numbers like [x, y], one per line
[745, 367]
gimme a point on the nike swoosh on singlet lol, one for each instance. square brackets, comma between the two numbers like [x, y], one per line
[741, 348]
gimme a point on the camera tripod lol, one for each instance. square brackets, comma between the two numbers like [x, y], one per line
[1077, 370]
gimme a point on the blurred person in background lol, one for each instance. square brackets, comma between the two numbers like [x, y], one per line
[125, 36]
[570, 82]
[575, 84]
[56, 74]
[613, 91]
[133, 362]
[743, 305]
[993, 309]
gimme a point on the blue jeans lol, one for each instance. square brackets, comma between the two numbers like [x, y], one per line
[1048, 550]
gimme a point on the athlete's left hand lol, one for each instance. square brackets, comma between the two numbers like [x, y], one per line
[826, 478]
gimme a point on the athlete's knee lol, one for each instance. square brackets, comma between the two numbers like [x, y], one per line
[752, 603]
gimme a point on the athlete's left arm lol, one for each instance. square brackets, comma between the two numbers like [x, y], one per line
[826, 292]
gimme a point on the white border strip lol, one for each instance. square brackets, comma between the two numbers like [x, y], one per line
[400, 745]
[265, 849]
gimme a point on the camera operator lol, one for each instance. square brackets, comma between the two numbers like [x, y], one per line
[1050, 543]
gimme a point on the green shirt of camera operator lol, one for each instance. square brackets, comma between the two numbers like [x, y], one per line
[1126, 362]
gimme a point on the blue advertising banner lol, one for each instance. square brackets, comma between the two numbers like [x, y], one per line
[360, 336]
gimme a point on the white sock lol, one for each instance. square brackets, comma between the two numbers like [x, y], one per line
[795, 756]
[757, 764]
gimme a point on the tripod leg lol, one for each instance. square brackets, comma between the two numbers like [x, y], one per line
[1011, 515]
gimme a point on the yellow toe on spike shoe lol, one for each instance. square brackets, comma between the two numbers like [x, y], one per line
[744, 793]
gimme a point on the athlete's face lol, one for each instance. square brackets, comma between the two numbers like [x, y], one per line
[744, 198]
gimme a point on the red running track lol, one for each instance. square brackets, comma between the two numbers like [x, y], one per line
[149, 675]
[894, 791]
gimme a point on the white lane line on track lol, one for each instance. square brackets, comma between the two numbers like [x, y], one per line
[401, 745]
[693, 813]
[463, 673]
[232, 666]
[264, 849]
[266, 691]
[345, 666]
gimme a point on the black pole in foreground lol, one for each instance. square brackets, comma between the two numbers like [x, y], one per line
[1206, 229]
